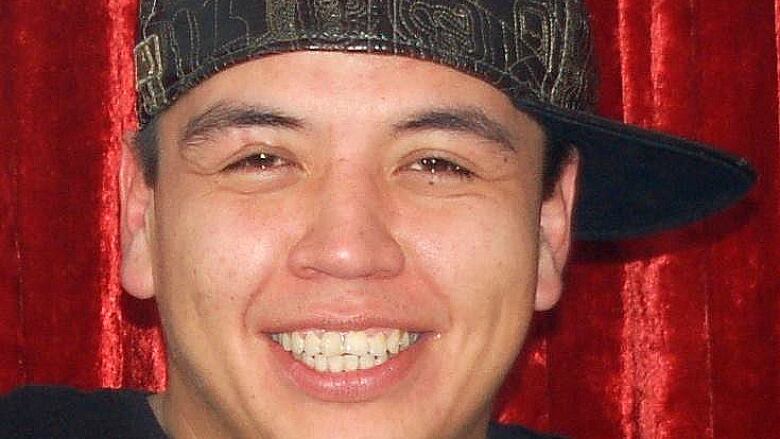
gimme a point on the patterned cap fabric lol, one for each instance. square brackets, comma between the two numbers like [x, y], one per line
[531, 49]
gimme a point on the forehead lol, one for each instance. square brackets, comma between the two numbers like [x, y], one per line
[336, 84]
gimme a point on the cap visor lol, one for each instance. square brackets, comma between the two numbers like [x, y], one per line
[636, 182]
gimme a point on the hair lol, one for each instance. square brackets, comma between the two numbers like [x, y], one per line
[557, 153]
[146, 147]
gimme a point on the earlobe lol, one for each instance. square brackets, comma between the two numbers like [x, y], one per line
[137, 204]
[555, 236]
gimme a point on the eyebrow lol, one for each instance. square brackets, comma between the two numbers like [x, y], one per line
[464, 120]
[223, 116]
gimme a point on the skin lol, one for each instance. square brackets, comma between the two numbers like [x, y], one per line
[349, 223]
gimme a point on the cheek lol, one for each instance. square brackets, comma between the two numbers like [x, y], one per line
[483, 261]
[216, 254]
[481, 256]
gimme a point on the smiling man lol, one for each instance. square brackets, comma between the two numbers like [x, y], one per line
[311, 241]
[348, 211]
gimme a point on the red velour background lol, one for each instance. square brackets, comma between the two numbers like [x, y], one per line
[674, 336]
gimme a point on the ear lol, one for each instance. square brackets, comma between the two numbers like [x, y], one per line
[555, 235]
[137, 206]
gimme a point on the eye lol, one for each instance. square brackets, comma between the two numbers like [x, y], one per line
[440, 167]
[257, 162]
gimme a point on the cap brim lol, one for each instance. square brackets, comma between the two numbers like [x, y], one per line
[635, 182]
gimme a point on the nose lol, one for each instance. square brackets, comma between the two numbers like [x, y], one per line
[348, 237]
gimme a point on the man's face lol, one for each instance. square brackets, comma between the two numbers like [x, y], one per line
[379, 214]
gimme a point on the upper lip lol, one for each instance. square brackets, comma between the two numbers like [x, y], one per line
[414, 306]
[344, 323]
[347, 313]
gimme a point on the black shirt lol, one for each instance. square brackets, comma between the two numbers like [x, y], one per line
[60, 412]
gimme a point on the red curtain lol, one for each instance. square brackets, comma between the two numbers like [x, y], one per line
[674, 336]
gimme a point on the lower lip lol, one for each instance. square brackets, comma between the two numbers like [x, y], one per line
[357, 386]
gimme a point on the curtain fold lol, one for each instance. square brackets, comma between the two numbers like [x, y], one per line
[10, 311]
[677, 335]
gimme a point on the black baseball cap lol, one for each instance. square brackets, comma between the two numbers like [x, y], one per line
[633, 181]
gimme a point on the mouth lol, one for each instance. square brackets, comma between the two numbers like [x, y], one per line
[334, 352]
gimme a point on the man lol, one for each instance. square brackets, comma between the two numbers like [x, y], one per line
[348, 211]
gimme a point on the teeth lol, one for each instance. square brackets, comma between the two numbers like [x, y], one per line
[366, 362]
[286, 342]
[403, 342]
[312, 344]
[392, 341]
[321, 363]
[377, 344]
[356, 343]
[335, 352]
[336, 363]
[298, 343]
[331, 344]
[351, 363]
